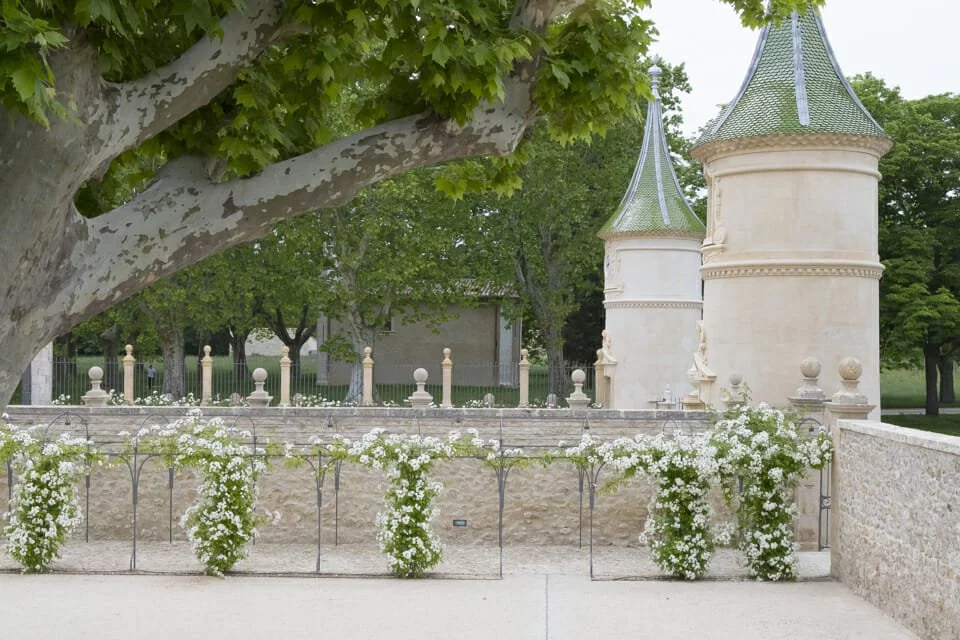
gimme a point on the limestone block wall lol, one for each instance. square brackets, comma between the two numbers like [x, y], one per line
[542, 504]
[895, 535]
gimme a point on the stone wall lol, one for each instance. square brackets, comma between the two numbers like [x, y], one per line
[895, 535]
[543, 506]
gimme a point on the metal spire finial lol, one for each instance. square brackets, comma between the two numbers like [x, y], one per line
[655, 72]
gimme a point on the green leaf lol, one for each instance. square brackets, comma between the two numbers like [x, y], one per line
[25, 82]
[441, 53]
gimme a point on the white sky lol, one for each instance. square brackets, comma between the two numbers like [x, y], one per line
[912, 44]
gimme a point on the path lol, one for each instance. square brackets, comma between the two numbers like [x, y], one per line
[521, 607]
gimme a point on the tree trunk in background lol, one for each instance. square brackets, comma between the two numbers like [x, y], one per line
[931, 360]
[947, 391]
[360, 337]
[174, 373]
[556, 365]
[238, 347]
[111, 362]
[68, 368]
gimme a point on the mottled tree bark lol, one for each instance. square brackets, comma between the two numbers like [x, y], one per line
[174, 371]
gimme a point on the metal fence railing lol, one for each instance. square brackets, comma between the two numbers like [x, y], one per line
[473, 383]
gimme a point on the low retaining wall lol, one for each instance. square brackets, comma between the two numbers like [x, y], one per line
[543, 506]
[896, 523]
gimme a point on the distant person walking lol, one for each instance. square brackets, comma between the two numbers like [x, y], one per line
[151, 376]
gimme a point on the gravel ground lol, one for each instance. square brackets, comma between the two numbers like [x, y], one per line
[476, 562]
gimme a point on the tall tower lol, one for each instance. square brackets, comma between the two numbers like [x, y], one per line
[652, 282]
[791, 267]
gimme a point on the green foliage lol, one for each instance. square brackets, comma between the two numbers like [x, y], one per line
[590, 78]
[919, 212]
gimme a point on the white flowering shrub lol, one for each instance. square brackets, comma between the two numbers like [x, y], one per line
[318, 400]
[591, 453]
[224, 518]
[404, 530]
[762, 454]
[678, 527]
[44, 507]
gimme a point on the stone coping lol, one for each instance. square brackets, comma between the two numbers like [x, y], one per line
[913, 437]
[456, 414]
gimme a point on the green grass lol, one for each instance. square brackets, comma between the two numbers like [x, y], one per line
[904, 389]
[948, 423]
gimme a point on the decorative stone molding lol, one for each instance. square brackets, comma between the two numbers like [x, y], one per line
[653, 304]
[761, 268]
[793, 168]
[711, 251]
[789, 141]
[656, 233]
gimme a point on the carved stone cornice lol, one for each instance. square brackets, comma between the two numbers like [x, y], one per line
[787, 141]
[784, 268]
[653, 304]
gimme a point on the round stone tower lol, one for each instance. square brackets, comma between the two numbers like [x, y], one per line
[652, 282]
[790, 262]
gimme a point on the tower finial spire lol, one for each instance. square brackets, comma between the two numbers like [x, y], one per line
[655, 72]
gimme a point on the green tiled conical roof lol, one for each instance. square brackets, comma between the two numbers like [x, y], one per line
[654, 203]
[794, 85]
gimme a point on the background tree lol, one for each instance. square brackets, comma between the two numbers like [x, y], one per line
[233, 96]
[919, 243]
[400, 251]
[543, 237]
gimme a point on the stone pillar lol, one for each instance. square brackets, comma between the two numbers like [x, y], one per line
[128, 362]
[447, 366]
[285, 377]
[420, 398]
[367, 377]
[96, 397]
[808, 403]
[259, 397]
[578, 399]
[524, 378]
[41, 377]
[846, 404]
[206, 383]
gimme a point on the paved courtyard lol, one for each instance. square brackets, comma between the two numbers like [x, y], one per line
[549, 606]
[545, 593]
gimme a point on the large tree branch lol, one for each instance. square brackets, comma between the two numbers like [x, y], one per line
[138, 110]
[183, 217]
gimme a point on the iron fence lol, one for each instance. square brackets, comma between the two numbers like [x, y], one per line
[474, 384]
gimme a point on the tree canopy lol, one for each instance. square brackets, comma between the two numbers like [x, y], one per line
[919, 243]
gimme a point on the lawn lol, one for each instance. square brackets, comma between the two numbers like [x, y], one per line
[903, 389]
[948, 423]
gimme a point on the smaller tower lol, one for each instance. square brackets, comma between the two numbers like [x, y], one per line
[652, 292]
